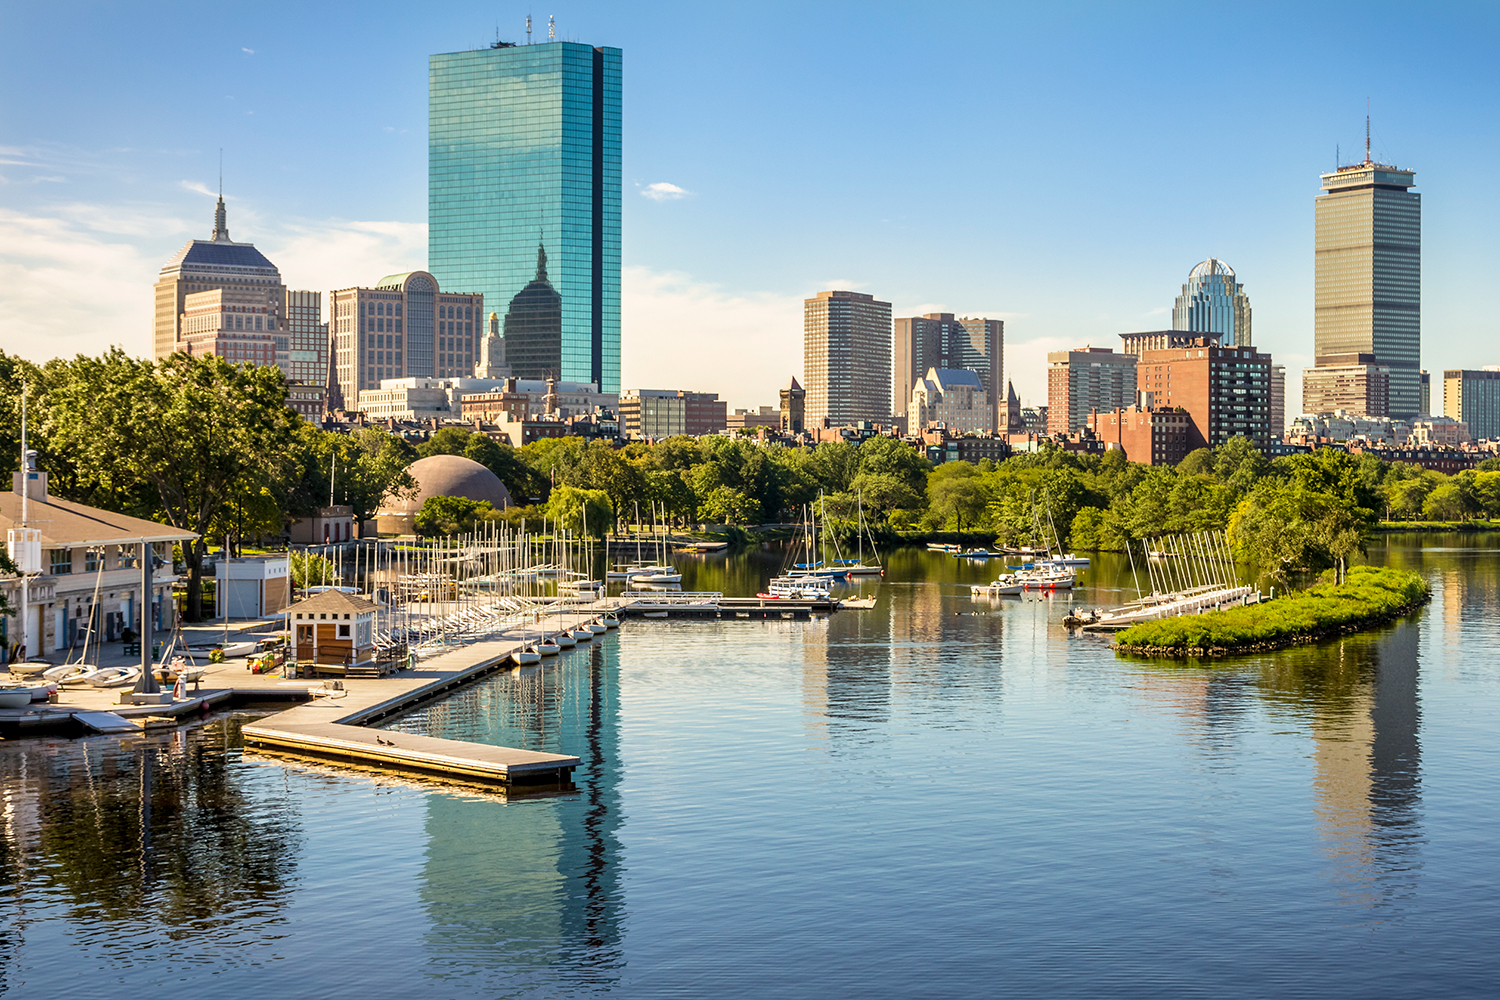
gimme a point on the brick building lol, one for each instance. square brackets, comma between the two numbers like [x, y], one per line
[1226, 391]
[1080, 382]
[1147, 435]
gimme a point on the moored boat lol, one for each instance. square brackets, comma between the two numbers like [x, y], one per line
[565, 640]
[598, 628]
[113, 677]
[1006, 584]
[524, 657]
[15, 696]
[68, 673]
[546, 648]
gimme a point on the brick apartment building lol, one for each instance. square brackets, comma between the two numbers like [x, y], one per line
[1147, 435]
[1226, 391]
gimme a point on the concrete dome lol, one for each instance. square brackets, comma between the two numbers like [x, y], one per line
[442, 476]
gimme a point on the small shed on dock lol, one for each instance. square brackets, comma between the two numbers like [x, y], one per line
[333, 628]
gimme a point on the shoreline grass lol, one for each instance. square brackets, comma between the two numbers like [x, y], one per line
[1368, 596]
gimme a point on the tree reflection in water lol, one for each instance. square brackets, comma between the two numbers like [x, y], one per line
[147, 840]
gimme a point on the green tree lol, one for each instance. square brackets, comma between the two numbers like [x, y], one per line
[728, 505]
[309, 569]
[1197, 463]
[567, 505]
[189, 430]
[956, 493]
[445, 441]
[450, 516]
[507, 465]
[1446, 503]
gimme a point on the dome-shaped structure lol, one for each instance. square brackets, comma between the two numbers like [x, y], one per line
[441, 476]
[1209, 267]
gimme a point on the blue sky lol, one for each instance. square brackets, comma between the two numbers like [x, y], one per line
[1061, 166]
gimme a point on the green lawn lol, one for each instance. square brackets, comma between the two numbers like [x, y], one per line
[1367, 594]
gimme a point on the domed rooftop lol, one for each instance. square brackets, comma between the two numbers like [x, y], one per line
[1210, 267]
[449, 476]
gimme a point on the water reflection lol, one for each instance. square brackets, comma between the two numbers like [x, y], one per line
[523, 887]
[146, 839]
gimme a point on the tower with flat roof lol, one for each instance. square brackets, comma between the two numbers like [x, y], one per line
[846, 358]
[1368, 291]
[524, 150]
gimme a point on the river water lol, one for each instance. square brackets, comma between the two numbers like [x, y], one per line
[936, 798]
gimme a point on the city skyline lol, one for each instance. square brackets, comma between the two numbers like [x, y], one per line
[709, 197]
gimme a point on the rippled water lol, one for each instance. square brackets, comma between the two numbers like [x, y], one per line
[933, 798]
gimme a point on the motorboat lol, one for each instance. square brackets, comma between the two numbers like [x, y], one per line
[1047, 578]
[113, 677]
[1069, 560]
[943, 547]
[525, 657]
[668, 575]
[68, 673]
[980, 554]
[858, 603]
[545, 648]
[795, 588]
[1000, 586]
[598, 628]
[15, 696]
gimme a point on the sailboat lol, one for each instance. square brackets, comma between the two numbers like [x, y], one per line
[662, 572]
[858, 567]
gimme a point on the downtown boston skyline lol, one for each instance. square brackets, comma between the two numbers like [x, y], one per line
[1060, 170]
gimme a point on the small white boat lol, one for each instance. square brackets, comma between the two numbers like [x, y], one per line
[1006, 584]
[30, 668]
[610, 621]
[113, 677]
[566, 640]
[41, 692]
[860, 603]
[800, 588]
[648, 579]
[547, 648]
[943, 547]
[654, 614]
[233, 649]
[15, 696]
[618, 574]
[523, 657]
[68, 673]
[598, 628]
[1069, 560]
[582, 634]
[580, 585]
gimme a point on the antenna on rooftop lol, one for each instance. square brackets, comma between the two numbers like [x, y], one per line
[1367, 130]
[528, 29]
[551, 28]
[221, 173]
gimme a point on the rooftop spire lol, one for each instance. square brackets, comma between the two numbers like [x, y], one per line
[541, 262]
[221, 223]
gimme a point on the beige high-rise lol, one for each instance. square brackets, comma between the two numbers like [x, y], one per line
[846, 358]
[214, 264]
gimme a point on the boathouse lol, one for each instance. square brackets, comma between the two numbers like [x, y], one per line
[333, 629]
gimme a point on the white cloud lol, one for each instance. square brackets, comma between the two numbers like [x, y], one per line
[663, 191]
[331, 254]
[247, 51]
[200, 188]
[679, 333]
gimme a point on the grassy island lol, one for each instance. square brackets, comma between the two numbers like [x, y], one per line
[1368, 596]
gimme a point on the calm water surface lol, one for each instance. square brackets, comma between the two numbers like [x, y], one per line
[935, 798]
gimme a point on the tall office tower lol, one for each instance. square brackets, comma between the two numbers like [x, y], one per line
[1368, 291]
[1278, 402]
[524, 148]
[1079, 382]
[1212, 301]
[846, 358]
[939, 340]
[404, 327]
[208, 265]
[1426, 392]
[1353, 383]
[306, 338]
[1473, 397]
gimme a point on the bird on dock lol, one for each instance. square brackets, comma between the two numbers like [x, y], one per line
[384, 743]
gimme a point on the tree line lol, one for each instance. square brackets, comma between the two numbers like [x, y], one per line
[209, 447]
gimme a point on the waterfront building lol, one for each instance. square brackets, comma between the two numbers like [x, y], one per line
[1079, 382]
[404, 327]
[1353, 383]
[954, 398]
[846, 359]
[469, 399]
[1278, 401]
[793, 404]
[306, 338]
[1368, 289]
[1473, 396]
[90, 570]
[524, 153]
[1146, 434]
[1226, 391]
[654, 414]
[1213, 302]
[941, 340]
[766, 416]
[215, 264]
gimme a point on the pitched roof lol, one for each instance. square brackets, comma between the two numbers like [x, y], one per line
[208, 253]
[335, 601]
[64, 523]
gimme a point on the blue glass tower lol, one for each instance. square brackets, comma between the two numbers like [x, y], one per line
[1213, 301]
[524, 152]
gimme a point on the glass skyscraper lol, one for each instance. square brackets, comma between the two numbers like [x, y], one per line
[1212, 301]
[524, 153]
[1368, 291]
